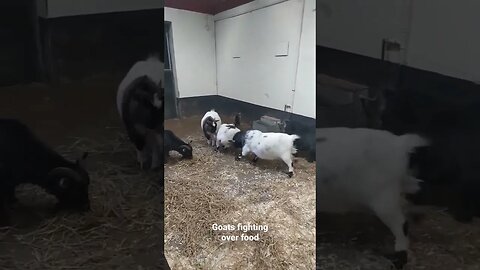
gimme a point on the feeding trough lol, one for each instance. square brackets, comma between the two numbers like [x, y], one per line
[267, 124]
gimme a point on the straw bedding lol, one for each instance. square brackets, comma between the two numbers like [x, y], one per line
[123, 230]
[213, 188]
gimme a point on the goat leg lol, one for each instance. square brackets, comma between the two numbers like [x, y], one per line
[287, 158]
[389, 210]
[238, 155]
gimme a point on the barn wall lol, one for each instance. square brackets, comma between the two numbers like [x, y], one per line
[258, 55]
[304, 100]
[197, 106]
[193, 38]
[62, 8]
[437, 36]
[445, 38]
[358, 26]
[87, 46]
[17, 46]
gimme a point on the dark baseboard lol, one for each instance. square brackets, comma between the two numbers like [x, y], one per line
[197, 106]
[427, 92]
[377, 73]
[353, 67]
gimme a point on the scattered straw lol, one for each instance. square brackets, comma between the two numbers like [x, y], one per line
[214, 188]
[123, 230]
[351, 241]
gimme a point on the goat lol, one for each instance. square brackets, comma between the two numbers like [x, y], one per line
[306, 143]
[172, 142]
[209, 124]
[365, 169]
[267, 145]
[449, 166]
[140, 105]
[226, 132]
[25, 159]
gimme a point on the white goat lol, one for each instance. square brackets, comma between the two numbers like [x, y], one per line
[365, 169]
[209, 124]
[267, 145]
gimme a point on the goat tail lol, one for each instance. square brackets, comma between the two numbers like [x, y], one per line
[294, 137]
[411, 141]
[237, 120]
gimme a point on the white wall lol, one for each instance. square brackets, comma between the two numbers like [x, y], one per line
[445, 38]
[438, 35]
[61, 8]
[305, 87]
[358, 26]
[256, 35]
[193, 38]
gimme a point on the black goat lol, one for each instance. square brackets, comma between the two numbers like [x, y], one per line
[450, 166]
[173, 143]
[306, 144]
[25, 159]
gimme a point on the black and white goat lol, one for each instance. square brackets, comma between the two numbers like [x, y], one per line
[24, 159]
[306, 144]
[140, 105]
[269, 145]
[173, 143]
[365, 169]
[226, 132]
[210, 124]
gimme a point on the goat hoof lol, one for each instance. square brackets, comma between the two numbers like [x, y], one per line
[290, 174]
[238, 158]
[398, 259]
